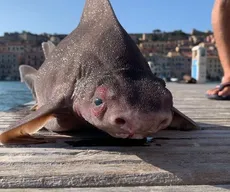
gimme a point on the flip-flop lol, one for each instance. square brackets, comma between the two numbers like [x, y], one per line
[220, 88]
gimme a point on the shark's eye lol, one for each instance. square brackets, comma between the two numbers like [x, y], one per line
[98, 101]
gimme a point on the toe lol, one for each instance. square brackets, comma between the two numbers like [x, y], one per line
[213, 91]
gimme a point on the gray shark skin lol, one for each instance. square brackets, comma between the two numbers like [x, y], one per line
[96, 75]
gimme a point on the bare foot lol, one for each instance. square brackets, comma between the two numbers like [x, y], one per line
[224, 92]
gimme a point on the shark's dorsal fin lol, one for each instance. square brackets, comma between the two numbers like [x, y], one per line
[96, 11]
[100, 29]
[47, 48]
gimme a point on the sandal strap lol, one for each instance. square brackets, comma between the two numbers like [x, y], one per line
[223, 85]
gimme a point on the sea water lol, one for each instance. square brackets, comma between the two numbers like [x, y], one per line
[13, 94]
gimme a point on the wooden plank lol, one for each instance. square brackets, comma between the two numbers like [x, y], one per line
[173, 158]
[186, 188]
[165, 164]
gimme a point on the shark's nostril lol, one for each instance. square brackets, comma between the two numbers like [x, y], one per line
[120, 121]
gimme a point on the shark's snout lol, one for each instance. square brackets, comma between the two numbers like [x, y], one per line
[138, 125]
[123, 124]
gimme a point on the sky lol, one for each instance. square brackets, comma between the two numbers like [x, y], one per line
[136, 16]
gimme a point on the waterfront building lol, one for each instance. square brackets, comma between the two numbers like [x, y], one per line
[172, 65]
[214, 68]
[34, 57]
[9, 66]
[199, 64]
[169, 54]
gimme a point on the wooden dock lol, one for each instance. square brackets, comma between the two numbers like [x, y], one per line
[173, 161]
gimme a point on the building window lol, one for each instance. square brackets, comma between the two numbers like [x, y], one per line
[202, 52]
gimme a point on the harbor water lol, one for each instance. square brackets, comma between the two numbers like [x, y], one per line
[13, 94]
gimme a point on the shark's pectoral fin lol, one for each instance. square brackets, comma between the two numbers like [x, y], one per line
[182, 122]
[22, 131]
[22, 134]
